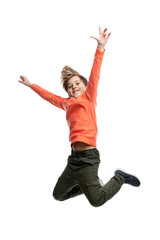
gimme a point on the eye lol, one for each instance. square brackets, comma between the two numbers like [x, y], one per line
[69, 86]
[77, 83]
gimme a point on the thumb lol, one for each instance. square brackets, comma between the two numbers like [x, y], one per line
[94, 37]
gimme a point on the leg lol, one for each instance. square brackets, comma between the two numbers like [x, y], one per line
[94, 191]
[85, 166]
[66, 186]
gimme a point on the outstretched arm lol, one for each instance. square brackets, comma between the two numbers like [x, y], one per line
[46, 95]
[102, 38]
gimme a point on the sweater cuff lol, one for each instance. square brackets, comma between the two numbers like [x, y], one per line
[32, 86]
[99, 53]
[100, 50]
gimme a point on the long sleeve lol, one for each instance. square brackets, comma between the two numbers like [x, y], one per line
[48, 96]
[91, 90]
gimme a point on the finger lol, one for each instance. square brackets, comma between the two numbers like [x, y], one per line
[109, 35]
[22, 77]
[93, 37]
[100, 29]
[105, 30]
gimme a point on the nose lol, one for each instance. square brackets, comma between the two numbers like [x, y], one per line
[74, 86]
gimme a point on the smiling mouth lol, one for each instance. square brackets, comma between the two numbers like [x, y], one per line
[76, 91]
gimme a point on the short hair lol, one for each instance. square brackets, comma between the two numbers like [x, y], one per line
[68, 72]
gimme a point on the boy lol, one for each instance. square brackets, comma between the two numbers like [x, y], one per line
[81, 173]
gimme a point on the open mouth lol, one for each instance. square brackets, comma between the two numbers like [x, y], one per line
[76, 91]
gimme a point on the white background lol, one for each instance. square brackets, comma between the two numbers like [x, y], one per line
[37, 38]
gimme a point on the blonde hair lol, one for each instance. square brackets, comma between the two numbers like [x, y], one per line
[68, 72]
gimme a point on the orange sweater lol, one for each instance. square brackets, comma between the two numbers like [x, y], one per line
[80, 111]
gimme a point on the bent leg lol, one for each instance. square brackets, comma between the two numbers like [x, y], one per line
[66, 186]
[94, 191]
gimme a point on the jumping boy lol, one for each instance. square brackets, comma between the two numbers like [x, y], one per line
[81, 173]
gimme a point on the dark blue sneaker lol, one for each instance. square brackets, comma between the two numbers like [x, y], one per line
[129, 179]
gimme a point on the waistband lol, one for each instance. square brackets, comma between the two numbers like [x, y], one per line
[88, 152]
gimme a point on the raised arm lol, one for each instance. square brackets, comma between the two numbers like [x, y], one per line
[46, 95]
[102, 39]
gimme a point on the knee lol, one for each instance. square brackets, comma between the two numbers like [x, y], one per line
[58, 196]
[98, 200]
[96, 203]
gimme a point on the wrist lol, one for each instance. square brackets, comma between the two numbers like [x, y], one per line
[100, 47]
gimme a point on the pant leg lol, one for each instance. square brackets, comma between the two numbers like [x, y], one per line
[88, 180]
[66, 186]
[98, 194]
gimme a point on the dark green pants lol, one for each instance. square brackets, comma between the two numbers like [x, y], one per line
[81, 176]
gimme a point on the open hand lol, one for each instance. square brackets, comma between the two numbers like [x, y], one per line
[102, 38]
[25, 81]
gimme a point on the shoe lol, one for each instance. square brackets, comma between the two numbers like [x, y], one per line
[129, 179]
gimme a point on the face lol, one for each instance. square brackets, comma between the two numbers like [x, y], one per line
[76, 87]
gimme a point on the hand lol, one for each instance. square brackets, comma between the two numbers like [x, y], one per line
[102, 38]
[25, 81]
